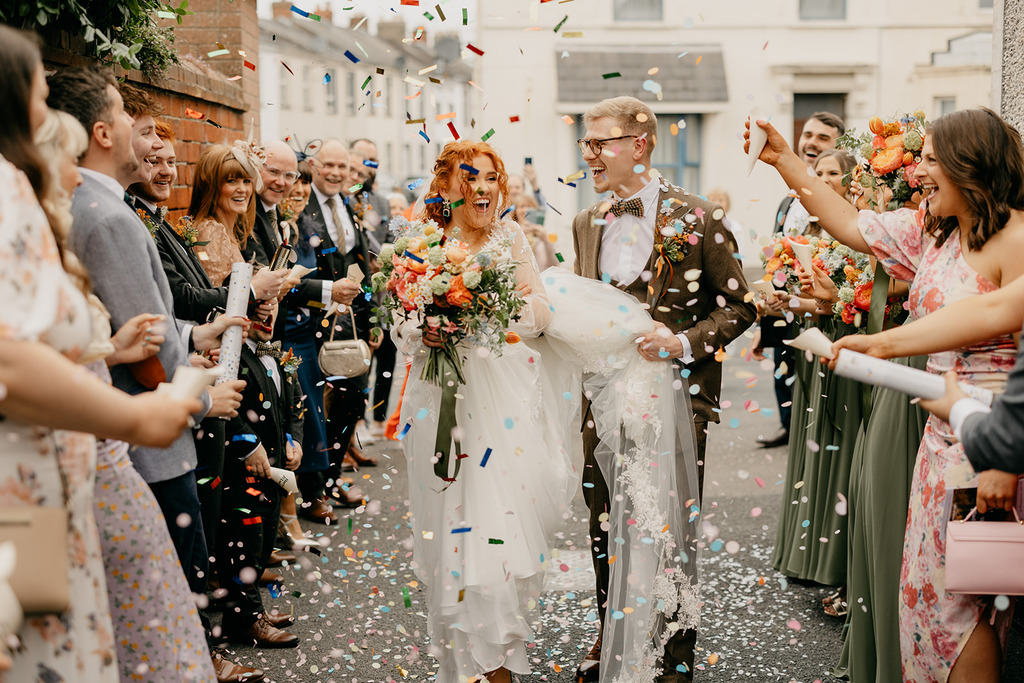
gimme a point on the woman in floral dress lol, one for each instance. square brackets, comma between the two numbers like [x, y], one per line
[965, 240]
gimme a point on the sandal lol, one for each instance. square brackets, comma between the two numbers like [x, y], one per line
[838, 609]
[838, 595]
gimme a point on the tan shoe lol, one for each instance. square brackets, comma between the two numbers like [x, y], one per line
[589, 668]
[227, 671]
[279, 557]
[279, 619]
[262, 634]
[320, 512]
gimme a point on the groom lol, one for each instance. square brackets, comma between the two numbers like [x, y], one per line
[670, 250]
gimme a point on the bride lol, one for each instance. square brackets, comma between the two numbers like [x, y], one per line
[480, 542]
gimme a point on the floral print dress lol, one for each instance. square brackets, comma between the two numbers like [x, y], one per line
[40, 466]
[935, 625]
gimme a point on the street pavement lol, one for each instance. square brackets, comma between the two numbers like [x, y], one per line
[361, 615]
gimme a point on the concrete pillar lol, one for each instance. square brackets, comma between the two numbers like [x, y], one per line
[1008, 60]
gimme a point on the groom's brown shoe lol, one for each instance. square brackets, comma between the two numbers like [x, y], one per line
[589, 669]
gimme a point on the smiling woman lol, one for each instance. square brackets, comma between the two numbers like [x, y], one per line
[223, 209]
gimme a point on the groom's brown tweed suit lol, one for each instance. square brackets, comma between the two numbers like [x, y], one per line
[711, 315]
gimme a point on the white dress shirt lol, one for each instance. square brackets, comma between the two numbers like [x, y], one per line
[269, 363]
[963, 409]
[627, 242]
[346, 227]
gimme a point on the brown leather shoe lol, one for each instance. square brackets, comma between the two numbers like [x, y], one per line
[279, 619]
[268, 577]
[361, 459]
[263, 634]
[319, 512]
[348, 463]
[347, 497]
[279, 557]
[589, 668]
[227, 671]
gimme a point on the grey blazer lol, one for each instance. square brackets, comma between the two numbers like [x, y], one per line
[995, 441]
[126, 273]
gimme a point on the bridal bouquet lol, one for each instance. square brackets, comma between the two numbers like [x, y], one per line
[888, 154]
[460, 296]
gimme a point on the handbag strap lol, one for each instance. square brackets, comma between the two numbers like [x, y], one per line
[334, 326]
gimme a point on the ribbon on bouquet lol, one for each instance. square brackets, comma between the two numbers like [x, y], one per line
[444, 368]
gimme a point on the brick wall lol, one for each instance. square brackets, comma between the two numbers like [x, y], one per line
[199, 83]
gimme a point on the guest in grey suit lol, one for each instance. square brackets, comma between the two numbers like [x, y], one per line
[122, 261]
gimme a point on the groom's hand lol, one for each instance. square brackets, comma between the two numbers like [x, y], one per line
[660, 344]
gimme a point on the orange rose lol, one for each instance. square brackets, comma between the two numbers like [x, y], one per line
[458, 294]
[512, 338]
[417, 266]
[862, 296]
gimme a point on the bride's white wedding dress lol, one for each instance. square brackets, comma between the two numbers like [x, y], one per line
[481, 545]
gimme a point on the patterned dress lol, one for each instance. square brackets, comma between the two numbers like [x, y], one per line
[220, 253]
[935, 625]
[159, 636]
[46, 467]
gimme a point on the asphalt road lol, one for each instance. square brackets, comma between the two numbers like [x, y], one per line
[360, 611]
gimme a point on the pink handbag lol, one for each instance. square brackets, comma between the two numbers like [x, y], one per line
[985, 557]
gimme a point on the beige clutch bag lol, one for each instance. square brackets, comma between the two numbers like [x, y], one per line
[40, 537]
[345, 357]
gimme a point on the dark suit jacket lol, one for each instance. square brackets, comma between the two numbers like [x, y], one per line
[333, 264]
[708, 325]
[995, 441]
[194, 295]
[268, 425]
[264, 240]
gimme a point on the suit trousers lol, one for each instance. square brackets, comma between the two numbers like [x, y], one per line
[680, 647]
[344, 405]
[209, 438]
[252, 508]
[179, 501]
[384, 364]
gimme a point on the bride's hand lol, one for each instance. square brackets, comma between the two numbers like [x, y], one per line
[432, 338]
[660, 344]
[524, 289]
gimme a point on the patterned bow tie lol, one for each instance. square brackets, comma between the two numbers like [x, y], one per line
[268, 349]
[632, 206]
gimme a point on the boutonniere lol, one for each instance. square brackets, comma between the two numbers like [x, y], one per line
[672, 236]
[148, 221]
[290, 362]
[187, 231]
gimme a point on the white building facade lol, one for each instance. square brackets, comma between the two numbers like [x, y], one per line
[703, 66]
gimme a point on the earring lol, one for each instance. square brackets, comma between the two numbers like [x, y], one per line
[446, 208]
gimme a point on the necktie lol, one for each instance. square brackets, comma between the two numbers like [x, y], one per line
[632, 206]
[268, 349]
[339, 227]
[275, 225]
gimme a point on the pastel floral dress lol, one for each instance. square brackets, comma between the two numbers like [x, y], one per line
[935, 625]
[40, 466]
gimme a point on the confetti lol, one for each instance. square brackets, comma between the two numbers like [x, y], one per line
[366, 83]
[613, 74]
[218, 53]
[405, 430]
[568, 120]
[469, 169]
[439, 12]
[301, 13]
[558, 26]
[473, 48]
[465, 17]
[352, 57]
[248, 65]
[487, 136]
[411, 3]
[193, 114]
[487, 455]
[424, 136]
[405, 596]
[513, 119]
[451, 127]
[327, 78]
[462, 530]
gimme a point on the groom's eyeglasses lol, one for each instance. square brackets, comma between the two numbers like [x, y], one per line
[596, 145]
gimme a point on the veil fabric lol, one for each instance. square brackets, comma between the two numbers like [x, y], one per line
[647, 454]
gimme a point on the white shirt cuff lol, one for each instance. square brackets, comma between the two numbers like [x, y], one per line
[961, 410]
[253, 451]
[325, 294]
[687, 356]
[186, 335]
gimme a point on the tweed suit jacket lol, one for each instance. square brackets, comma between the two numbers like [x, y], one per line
[124, 266]
[713, 314]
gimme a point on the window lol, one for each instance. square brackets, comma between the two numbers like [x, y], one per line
[822, 9]
[331, 92]
[805, 104]
[677, 157]
[387, 95]
[284, 94]
[637, 10]
[985, 4]
[351, 94]
[307, 88]
[944, 105]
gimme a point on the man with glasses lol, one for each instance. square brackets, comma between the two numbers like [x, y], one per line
[279, 173]
[695, 291]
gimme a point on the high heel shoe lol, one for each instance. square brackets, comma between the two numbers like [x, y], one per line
[289, 528]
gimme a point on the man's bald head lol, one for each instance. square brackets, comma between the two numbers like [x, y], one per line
[279, 172]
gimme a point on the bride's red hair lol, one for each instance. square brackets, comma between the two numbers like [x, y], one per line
[447, 171]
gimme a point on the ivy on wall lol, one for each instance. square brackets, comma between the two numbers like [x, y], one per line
[124, 32]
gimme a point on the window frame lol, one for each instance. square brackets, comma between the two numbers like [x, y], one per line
[804, 12]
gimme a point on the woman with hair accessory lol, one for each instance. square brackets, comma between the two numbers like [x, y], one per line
[964, 240]
[223, 204]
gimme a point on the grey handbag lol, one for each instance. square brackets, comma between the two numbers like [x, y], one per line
[345, 357]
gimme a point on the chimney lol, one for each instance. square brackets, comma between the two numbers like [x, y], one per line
[282, 10]
[391, 31]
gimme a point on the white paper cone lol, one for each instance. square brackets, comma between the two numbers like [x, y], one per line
[285, 479]
[882, 373]
[804, 254]
[237, 303]
[11, 616]
[814, 340]
[763, 288]
[300, 271]
[189, 382]
[758, 138]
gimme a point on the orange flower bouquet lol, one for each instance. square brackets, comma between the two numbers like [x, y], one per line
[888, 154]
